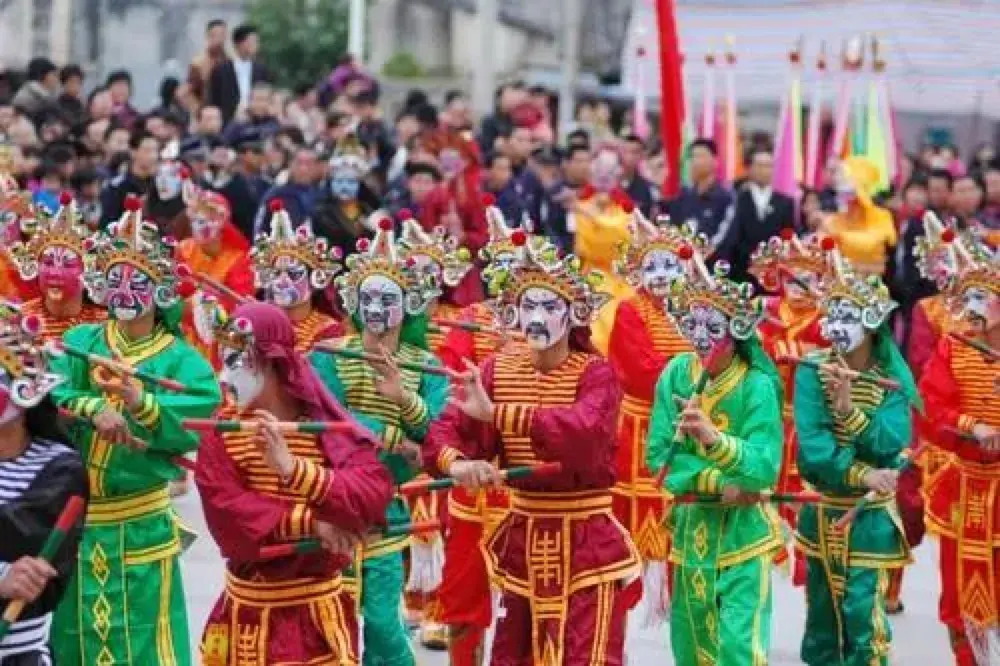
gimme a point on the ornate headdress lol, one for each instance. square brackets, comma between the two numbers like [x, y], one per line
[7, 181]
[350, 153]
[24, 358]
[956, 261]
[302, 245]
[379, 256]
[646, 237]
[232, 332]
[452, 261]
[786, 252]
[207, 204]
[504, 241]
[540, 265]
[134, 241]
[866, 291]
[65, 228]
[734, 299]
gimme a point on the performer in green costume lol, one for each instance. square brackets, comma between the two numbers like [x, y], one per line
[729, 443]
[125, 604]
[851, 436]
[387, 297]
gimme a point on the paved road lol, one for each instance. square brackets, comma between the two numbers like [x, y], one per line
[919, 640]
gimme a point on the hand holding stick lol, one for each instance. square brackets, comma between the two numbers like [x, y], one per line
[853, 375]
[118, 367]
[376, 359]
[280, 550]
[133, 442]
[429, 485]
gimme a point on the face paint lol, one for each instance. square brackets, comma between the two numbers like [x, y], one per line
[168, 181]
[130, 292]
[205, 229]
[451, 162]
[794, 291]
[381, 304]
[605, 172]
[344, 184]
[425, 265]
[59, 273]
[290, 286]
[10, 227]
[843, 326]
[980, 309]
[544, 317]
[240, 377]
[659, 269]
[706, 328]
[8, 408]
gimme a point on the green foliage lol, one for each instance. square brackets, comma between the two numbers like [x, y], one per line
[402, 66]
[300, 40]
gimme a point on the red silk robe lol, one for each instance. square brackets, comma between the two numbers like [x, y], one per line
[957, 386]
[559, 555]
[54, 327]
[642, 342]
[294, 609]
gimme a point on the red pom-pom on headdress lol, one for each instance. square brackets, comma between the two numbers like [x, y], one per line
[828, 244]
[182, 271]
[948, 235]
[787, 234]
[685, 252]
[184, 172]
[133, 203]
[65, 198]
[489, 199]
[275, 205]
[385, 224]
[519, 238]
[404, 214]
[363, 244]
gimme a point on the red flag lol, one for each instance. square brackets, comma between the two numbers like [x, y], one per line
[671, 94]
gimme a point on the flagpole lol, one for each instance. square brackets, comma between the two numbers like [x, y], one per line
[356, 34]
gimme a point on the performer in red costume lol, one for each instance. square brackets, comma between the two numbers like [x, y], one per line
[559, 556]
[16, 213]
[643, 340]
[791, 269]
[264, 487]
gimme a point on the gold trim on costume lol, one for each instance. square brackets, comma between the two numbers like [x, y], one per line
[108, 510]
[284, 593]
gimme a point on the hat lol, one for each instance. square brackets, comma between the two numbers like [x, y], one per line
[302, 245]
[24, 358]
[451, 263]
[843, 282]
[786, 252]
[350, 153]
[65, 228]
[646, 237]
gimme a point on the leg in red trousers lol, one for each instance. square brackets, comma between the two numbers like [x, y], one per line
[949, 610]
[464, 597]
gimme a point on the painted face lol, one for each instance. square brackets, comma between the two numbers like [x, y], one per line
[659, 269]
[205, 229]
[706, 328]
[10, 228]
[425, 265]
[241, 377]
[344, 184]
[130, 292]
[59, 273]
[290, 285]
[381, 304]
[847, 193]
[843, 326]
[168, 181]
[605, 172]
[544, 317]
[980, 308]
[794, 291]
[451, 162]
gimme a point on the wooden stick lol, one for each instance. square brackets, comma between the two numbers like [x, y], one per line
[218, 287]
[249, 425]
[53, 542]
[280, 550]
[750, 498]
[675, 442]
[134, 442]
[429, 485]
[375, 358]
[863, 376]
[978, 345]
[790, 274]
[121, 368]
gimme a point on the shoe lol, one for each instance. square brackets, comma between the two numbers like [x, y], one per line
[434, 636]
[894, 608]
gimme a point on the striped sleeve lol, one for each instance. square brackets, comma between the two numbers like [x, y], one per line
[147, 414]
[309, 480]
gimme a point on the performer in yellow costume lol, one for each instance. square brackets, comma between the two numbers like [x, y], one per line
[865, 233]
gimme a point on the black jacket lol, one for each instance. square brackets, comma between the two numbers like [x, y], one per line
[224, 88]
[747, 230]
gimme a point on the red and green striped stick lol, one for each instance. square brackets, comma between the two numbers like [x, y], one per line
[884, 382]
[978, 345]
[134, 442]
[750, 498]
[280, 550]
[311, 427]
[845, 520]
[64, 523]
[375, 358]
[429, 485]
[122, 369]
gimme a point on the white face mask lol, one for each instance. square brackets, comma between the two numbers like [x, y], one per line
[843, 326]
[705, 328]
[659, 269]
[980, 308]
[240, 377]
[544, 317]
[380, 304]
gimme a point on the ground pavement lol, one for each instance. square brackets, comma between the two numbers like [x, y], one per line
[919, 640]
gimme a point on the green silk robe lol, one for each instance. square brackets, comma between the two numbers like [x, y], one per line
[125, 604]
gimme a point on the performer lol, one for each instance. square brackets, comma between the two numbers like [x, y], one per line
[217, 250]
[53, 254]
[388, 298]
[16, 210]
[963, 417]
[266, 487]
[560, 557]
[126, 602]
[39, 473]
[642, 342]
[730, 443]
[342, 216]
[851, 437]
[864, 231]
[439, 257]
[465, 595]
[294, 267]
[792, 268]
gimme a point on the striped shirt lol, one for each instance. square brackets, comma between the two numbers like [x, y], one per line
[16, 476]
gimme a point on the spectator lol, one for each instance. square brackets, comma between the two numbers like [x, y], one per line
[138, 178]
[635, 185]
[578, 138]
[457, 114]
[991, 210]
[8, 114]
[810, 213]
[86, 185]
[208, 121]
[213, 55]
[258, 117]
[47, 184]
[828, 187]
[905, 282]
[250, 165]
[422, 178]
[119, 86]
[500, 183]
[517, 145]
[99, 105]
[706, 204]
[499, 123]
[116, 141]
[299, 194]
[170, 92]
[939, 184]
[71, 99]
[233, 80]
[407, 127]
[38, 95]
[759, 214]
[559, 198]
[222, 174]
[298, 111]
[967, 201]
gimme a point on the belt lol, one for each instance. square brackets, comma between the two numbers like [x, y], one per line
[581, 504]
[849, 502]
[285, 593]
[107, 510]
